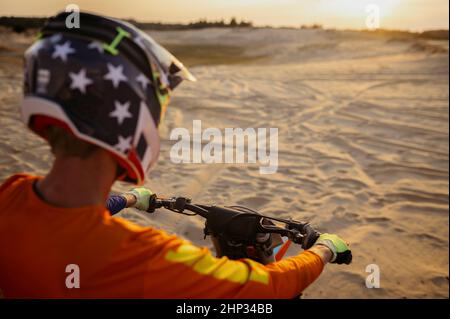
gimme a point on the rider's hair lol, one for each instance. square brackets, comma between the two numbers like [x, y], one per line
[65, 144]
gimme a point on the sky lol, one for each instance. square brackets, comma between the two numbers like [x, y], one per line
[415, 15]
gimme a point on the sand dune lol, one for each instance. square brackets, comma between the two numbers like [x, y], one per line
[363, 143]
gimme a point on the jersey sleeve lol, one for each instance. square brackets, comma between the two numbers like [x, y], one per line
[153, 264]
[115, 203]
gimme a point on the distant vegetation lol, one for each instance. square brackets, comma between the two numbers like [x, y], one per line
[21, 24]
[405, 35]
[201, 24]
[311, 26]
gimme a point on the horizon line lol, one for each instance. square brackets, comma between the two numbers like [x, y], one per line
[297, 26]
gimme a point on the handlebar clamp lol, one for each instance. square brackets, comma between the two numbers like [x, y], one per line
[180, 203]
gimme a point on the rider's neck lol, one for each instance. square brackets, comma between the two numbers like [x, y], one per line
[76, 182]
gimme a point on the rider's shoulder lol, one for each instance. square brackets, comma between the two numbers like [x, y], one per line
[16, 180]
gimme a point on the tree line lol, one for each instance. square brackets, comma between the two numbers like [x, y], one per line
[20, 24]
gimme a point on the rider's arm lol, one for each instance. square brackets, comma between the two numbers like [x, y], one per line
[137, 197]
[115, 203]
[323, 252]
[164, 266]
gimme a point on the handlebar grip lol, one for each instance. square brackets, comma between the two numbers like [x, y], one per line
[152, 205]
[310, 236]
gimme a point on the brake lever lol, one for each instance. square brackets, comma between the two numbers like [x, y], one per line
[302, 233]
[295, 236]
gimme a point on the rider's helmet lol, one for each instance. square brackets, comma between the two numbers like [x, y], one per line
[106, 82]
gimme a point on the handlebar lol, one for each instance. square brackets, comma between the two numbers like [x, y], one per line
[236, 228]
[238, 222]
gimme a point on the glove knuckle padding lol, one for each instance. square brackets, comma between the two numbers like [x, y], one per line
[344, 257]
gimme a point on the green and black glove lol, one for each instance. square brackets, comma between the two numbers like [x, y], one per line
[341, 253]
[142, 195]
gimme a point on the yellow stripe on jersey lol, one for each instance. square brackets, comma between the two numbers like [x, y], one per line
[201, 261]
[258, 273]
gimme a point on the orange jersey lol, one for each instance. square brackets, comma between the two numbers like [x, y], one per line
[117, 259]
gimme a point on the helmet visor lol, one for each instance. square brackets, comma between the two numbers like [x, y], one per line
[167, 70]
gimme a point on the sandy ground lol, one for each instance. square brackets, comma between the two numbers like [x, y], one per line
[363, 144]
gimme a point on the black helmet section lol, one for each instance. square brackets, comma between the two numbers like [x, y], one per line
[112, 40]
[98, 92]
[163, 70]
[106, 82]
[102, 92]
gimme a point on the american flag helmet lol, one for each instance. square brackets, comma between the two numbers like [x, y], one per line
[106, 82]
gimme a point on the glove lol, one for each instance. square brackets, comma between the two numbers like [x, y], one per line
[142, 197]
[341, 253]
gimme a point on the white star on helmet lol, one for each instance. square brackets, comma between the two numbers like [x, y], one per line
[79, 80]
[97, 46]
[121, 112]
[115, 74]
[124, 144]
[143, 80]
[56, 38]
[62, 51]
